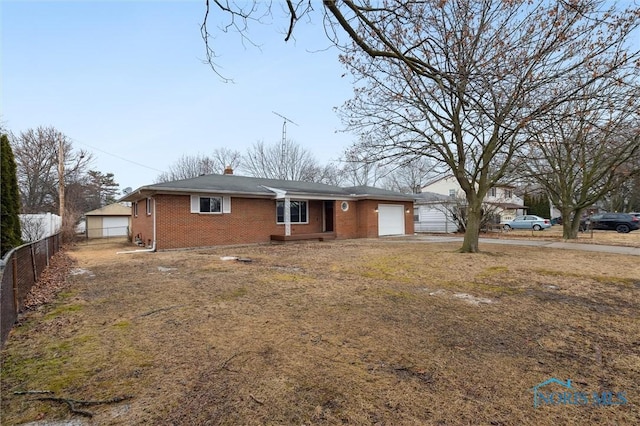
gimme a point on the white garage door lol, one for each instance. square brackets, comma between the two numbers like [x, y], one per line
[390, 219]
[115, 226]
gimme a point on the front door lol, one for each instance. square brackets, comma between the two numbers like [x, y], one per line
[328, 216]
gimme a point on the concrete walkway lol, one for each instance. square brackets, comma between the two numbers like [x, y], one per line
[635, 251]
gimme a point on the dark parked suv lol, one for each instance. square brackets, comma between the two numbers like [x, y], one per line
[620, 222]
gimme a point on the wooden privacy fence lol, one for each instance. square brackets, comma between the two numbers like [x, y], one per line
[21, 269]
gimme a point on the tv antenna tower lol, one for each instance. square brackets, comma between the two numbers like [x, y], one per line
[284, 134]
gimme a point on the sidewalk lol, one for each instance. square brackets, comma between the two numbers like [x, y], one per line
[634, 251]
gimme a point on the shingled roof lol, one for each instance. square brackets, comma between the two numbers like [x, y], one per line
[262, 188]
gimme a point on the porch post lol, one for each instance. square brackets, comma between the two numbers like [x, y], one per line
[287, 216]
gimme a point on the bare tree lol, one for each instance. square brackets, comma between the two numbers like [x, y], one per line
[586, 150]
[187, 167]
[190, 166]
[331, 174]
[360, 170]
[481, 71]
[33, 227]
[36, 153]
[457, 81]
[626, 197]
[287, 161]
[225, 157]
[410, 176]
[458, 211]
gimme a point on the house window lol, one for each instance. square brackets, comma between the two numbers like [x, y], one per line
[492, 192]
[452, 193]
[135, 209]
[298, 211]
[507, 193]
[210, 204]
[148, 206]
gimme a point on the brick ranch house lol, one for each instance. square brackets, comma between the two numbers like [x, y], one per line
[228, 209]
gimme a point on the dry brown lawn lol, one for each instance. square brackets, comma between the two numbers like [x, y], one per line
[631, 239]
[362, 332]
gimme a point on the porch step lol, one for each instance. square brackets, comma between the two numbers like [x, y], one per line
[320, 236]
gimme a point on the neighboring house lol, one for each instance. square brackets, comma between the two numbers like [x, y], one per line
[502, 197]
[226, 209]
[113, 220]
[432, 213]
[34, 227]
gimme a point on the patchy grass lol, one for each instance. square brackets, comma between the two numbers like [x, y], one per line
[355, 332]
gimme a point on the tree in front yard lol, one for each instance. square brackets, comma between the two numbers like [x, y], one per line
[458, 81]
[462, 81]
[587, 150]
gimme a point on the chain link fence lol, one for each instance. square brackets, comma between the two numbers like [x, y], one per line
[21, 269]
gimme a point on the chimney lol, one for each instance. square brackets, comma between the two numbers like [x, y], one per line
[228, 170]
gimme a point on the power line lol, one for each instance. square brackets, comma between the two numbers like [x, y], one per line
[117, 156]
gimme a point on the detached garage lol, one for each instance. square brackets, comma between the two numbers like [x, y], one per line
[113, 220]
[391, 219]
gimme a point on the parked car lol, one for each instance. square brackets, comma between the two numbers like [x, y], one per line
[582, 227]
[528, 221]
[619, 222]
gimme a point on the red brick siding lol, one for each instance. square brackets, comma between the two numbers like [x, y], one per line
[142, 225]
[368, 217]
[251, 220]
[345, 224]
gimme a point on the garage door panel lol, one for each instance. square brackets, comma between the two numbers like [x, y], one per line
[115, 226]
[390, 219]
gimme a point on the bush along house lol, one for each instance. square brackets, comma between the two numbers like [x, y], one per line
[226, 209]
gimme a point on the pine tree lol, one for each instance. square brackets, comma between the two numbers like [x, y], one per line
[9, 199]
[537, 204]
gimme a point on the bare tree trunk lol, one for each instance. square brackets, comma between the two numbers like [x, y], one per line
[571, 225]
[472, 232]
[575, 223]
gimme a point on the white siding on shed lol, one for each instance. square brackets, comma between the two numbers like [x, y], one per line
[433, 219]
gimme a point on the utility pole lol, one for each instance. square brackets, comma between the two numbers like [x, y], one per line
[61, 176]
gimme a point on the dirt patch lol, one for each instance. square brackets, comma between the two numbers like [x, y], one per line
[355, 332]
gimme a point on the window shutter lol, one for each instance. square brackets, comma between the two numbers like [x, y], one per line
[226, 204]
[195, 204]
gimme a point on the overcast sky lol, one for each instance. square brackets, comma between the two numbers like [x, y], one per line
[125, 81]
